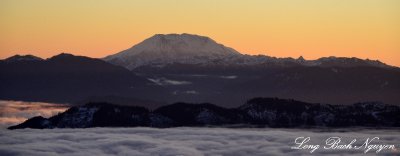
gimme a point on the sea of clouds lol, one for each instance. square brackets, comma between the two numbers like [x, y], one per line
[169, 141]
[181, 141]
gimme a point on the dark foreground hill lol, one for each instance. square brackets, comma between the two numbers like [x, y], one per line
[66, 78]
[270, 112]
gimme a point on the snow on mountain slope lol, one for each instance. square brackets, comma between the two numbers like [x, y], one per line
[161, 50]
[172, 48]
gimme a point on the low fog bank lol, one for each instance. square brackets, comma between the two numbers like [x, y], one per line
[16, 112]
[180, 141]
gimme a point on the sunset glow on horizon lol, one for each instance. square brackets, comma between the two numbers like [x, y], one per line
[284, 28]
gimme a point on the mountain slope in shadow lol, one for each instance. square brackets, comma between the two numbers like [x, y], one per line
[66, 78]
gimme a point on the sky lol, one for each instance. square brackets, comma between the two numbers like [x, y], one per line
[284, 28]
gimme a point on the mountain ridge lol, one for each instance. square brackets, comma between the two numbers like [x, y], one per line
[66, 78]
[224, 76]
[271, 112]
[18, 57]
[55, 79]
[164, 49]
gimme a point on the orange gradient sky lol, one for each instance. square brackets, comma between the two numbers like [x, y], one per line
[282, 28]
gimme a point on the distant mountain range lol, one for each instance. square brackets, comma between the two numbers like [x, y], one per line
[270, 112]
[163, 50]
[191, 68]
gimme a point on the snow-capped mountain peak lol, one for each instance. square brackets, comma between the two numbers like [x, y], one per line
[163, 49]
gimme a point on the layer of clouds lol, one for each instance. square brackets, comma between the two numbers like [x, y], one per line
[15, 112]
[163, 81]
[229, 77]
[176, 141]
[193, 92]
